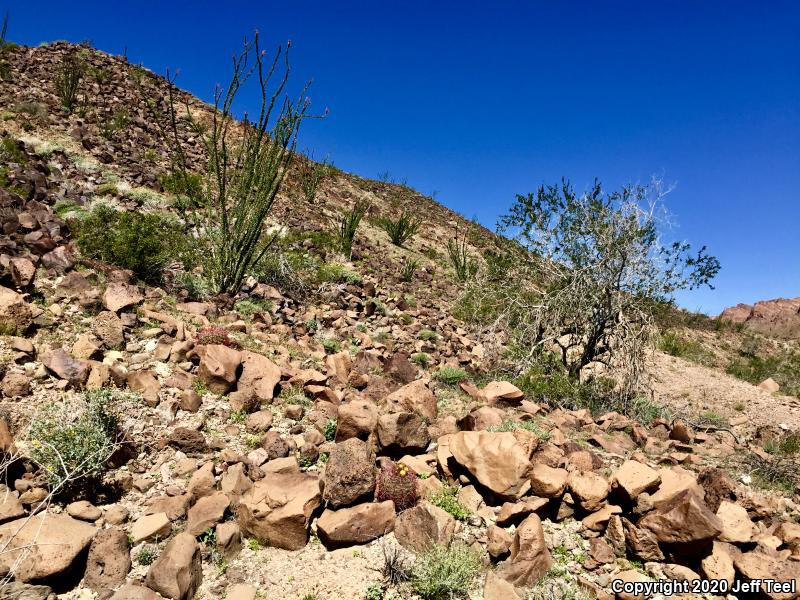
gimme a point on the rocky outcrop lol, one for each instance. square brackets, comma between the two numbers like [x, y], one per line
[779, 317]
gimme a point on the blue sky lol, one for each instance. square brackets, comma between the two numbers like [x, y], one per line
[480, 101]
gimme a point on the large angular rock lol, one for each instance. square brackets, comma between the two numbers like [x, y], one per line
[350, 473]
[135, 592]
[496, 460]
[218, 367]
[357, 418]
[25, 591]
[45, 545]
[415, 397]
[178, 571]
[758, 565]
[121, 295]
[207, 512]
[149, 527]
[424, 525]
[530, 559]
[145, 383]
[404, 431]
[16, 315]
[357, 525]
[502, 391]
[548, 482]
[675, 480]
[109, 560]
[736, 524]
[633, 478]
[259, 375]
[277, 509]
[588, 488]
[108, 327]
[684, 519]
[74, 370]
[719, 564]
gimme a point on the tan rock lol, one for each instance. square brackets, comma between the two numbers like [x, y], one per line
[108, 327]
[135, 592]
[770, 385]
[16, 315]
[719, 564]
[218, 366]
[149, 527]
[633, 478]
[425, 524]
[598, 520]
[588, 488]
[548, 482]
[414, 397]
[497, 391]
[207, 512]
[145, 383]
[496, 460]
[530, 559]
[402, 431]
[497, 588]
[241, 591]
[683, 519]
[229, 538]
[84, 510]
[357, 525]
[109, 560]
[277, 509]
[42, 546]
[498, 541]
[73, 370]
[631, 576]
[121, 295]
[675, 480]
[357, 418]
[736, 524]
[260, 375]
[760, 566]
[349, 473]
[178, 571]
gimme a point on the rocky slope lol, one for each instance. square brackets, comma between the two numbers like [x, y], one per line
[255, 458]
[779, 317]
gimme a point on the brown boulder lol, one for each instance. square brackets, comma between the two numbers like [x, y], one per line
[633, 478]
[424, 525]
[736, 524]
[42, 546]
[145, 383]
[757, 565]
[259, 375]
[502, 391]
[121, 295]
[277, 509]
[75, 371]
[207, 512]
[357, 418]
[357, 525]
[109, 560]
[178, 571]
[403, 431]
[498, 541]
[496, 460]
[414, 397]
[530, 559]
[548, 482]
[108, 327]
[588, 488]
[684, 519]
[218, 367]
[16, 315]
[349, 473]
[135, 592]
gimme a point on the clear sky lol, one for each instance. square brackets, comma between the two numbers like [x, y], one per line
[483, 100]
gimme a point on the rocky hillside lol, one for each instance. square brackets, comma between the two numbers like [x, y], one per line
[344, 442]
[779, 317]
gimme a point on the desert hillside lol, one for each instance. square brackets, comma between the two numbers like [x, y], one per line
[336, 428]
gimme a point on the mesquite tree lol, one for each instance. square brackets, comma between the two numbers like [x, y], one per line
[246, 164]
[582, 275]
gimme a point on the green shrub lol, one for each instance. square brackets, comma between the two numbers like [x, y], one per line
[338, 273]
[427, 335]
[450, 375]
[400, 230]
[458, 251]
[783, 367]
[197, 287]
[331, 345]
[330, 429]
[347, 227]
[143, 243]
[673, 344]
[446, 498]
[107, 189]
[249, 306]
[146, 555]
[443, 573]
[11, 151]
[374, 591]
[73, 441]
[421, 359]
[397, 483]
[532, 426]
[310, 175]
[408, 269]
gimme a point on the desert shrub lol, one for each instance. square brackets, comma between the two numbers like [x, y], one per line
[146, 555]
[196, 286]
[284, 271]
[374, 591]
[446, 498]
[337, 273]
[428, 335]
[397, 483]
[581, 274]
[107, 189]
[401, 229]
[443, 573]
[68, 209]
[347, 227]
[532, 426]
[252, 306]
[675, 345]
[754, 365]
[68, 80]
[395, 568]
[450, 375]
[295, 394]
[330, 429]
[73, 441]
[214, 334]
[408, 269]
[4, 45]
[11, 151]
[118, 121]
[141, 242]
[331, 345]
[458, 252]
[421, 359]
[247, 162]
